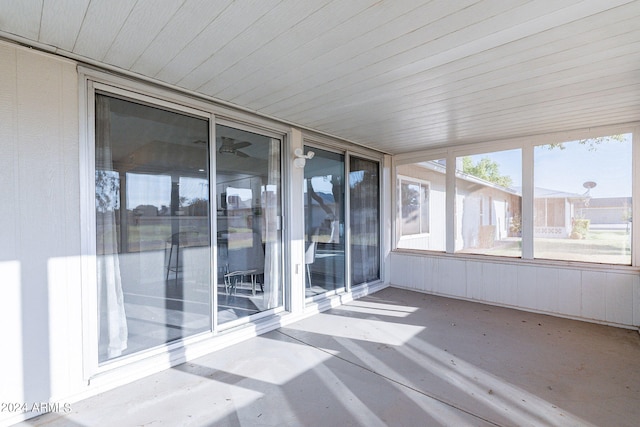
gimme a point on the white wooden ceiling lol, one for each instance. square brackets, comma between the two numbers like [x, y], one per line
[396, 75]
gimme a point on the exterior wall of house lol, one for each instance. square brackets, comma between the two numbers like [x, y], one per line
[597, 294]
[40, 292]
[474, 214]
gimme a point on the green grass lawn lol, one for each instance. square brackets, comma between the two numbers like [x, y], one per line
[602, 246]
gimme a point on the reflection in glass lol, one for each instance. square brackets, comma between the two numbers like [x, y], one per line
[324, 188]
[582, 200]
[248, 223]
[421, 205]
[152, 226]
[489, 203]
[364, 206]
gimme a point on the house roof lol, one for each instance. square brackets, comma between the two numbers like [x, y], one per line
[392, 75]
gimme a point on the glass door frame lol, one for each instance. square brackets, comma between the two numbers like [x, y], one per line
[381, 239]
[177, 104]
[313, 142]
[286, 282]
[90, 81]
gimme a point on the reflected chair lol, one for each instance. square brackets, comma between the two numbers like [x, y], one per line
[309, 258]
[244, 259]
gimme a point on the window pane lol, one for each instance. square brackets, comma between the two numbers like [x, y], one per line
[364, 185]
[583, 200]
[248, 223]
[421, 205]
[424, 209]
[152, 226]
[489, 203]
[411, 202]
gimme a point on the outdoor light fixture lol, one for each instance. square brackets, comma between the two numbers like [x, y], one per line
[301, 158]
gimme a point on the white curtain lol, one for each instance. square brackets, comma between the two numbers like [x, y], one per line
[270, 203]
[112, 320]
[365, 221]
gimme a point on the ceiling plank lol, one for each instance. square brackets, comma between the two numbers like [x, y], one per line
[143, 25]
[101, 25]
[61, 22]
[21, 17]
[189, 21]
[220, 31]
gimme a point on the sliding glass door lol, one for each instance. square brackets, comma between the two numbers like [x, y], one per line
[324, 191]
[249, 237]
[154, 220]
[364, 220]
[153, 249]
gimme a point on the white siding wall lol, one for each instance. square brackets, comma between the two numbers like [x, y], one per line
[607, 296]
[39, 228]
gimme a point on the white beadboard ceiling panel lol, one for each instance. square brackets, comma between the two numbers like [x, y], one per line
[397, 75]
[146, 20]
[51, 30]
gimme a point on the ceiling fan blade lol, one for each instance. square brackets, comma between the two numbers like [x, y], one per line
[241, 154]
[242, 144]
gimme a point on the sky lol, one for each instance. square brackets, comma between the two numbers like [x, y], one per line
[609, 166]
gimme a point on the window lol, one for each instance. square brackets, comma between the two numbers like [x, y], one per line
[249, 236]
[152, 215]
[488, 203]
[582, 200]
[415, 207]
[556, 199]
[421, 205]
[324, 213]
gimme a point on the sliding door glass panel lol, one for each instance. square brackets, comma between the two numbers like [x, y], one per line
[249, 237]
[153, 246]
[582, 200]
[489, 203]
[324, 188]
[364, 206]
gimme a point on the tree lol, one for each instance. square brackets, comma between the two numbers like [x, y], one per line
[591, 143]
[486, 169]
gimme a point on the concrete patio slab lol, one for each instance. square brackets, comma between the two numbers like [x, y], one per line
[395, 358]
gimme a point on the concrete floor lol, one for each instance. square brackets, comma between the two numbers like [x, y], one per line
[395, 358]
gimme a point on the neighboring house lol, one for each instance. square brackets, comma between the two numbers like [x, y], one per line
[486, 212]
[606, 211]
[554, 212]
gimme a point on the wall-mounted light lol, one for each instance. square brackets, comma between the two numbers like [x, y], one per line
[301, 158]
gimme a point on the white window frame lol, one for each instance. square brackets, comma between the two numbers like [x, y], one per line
[526, 144]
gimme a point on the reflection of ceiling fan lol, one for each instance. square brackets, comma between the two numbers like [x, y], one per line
[229, 146]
